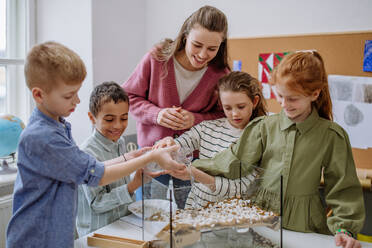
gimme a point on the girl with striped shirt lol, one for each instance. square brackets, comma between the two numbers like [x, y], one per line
[241, 99]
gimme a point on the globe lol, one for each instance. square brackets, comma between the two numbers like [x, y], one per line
[10, 131]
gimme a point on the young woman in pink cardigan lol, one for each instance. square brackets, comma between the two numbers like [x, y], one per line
[174, 86]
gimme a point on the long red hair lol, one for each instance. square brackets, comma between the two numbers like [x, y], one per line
[304, 72]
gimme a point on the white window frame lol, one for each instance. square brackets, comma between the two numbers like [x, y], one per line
[19, 100]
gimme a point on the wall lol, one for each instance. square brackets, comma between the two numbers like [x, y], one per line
[262, 18]
[118, 41]
[111, 36]
[69, 22]
[108, 35]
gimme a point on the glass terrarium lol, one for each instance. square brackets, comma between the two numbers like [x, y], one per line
[228, 213]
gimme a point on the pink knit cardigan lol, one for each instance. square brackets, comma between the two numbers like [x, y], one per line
[149, 92]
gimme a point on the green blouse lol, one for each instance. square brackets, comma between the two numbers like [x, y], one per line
[298, 152]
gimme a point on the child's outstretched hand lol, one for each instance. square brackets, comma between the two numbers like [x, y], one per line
[183, 174]
[346, 241]
[163, 157]
[164, 142]
[137, 179]
[136, 153]
[146, 177]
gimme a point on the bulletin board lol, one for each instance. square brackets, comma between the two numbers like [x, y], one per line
[342, 54]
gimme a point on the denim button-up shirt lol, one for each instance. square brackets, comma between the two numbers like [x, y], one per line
[50, 167]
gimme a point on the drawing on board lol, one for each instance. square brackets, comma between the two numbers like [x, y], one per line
[363, 93]
[352, 115]
[266, 63]
[341, 90]
[367, 93]
[367, 61]
[352, 109]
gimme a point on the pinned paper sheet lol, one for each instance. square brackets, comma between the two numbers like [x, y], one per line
[266, 63]
[237, 65]
[352, 107]
[367, 61]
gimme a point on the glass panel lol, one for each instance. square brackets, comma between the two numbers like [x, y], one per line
[200, 216]
[2, 89]
[2, 28]
[234, 218]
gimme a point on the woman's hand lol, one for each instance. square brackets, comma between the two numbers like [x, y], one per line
[188, 119]
[164, 142]
[171, 118]
[346, 241]
[136, 153]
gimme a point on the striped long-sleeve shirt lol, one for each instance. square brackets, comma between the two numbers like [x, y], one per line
[210, 138]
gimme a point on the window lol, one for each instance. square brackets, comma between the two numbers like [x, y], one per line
[2, 89]
[14, 37]
[2, 54]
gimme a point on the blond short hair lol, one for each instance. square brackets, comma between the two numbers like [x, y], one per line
[51, 62]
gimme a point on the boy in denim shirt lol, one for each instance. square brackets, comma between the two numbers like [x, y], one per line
[50, 165]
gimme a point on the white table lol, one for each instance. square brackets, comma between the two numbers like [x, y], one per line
[8, 178]
[290, 239]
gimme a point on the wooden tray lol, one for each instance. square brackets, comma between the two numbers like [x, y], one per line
[106, 241]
